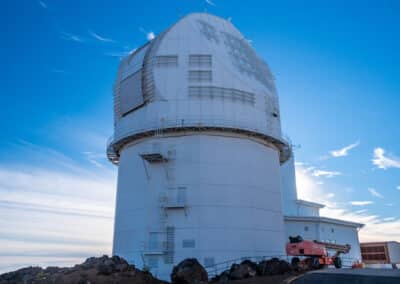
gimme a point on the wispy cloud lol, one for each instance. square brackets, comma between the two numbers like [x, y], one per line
[116, 53]
[344, 151]
[374, 192]
[376, 229]
[100, 38]
[42, 4]
[330, 195]
[209, 2]
[382, 161]
[361, 203]
[120, 53]
[389, 219]
[323, 173]
[56, 212]
[96, 159]
[55, 70]
[71, 37]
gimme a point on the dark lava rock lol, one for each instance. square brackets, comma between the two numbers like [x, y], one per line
[97, 270]
[273, 266]
[189, 271]
[246, 269]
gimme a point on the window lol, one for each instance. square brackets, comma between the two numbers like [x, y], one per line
[200, 60]
[306, 228]
[200, 76]
[166, 61]
[332, 230]
[188, 243]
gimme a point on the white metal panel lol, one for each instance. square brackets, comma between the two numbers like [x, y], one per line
[288, 187]
[133, 63]
[131, 92]
[226, 181]
[326, 232]
[205, 47]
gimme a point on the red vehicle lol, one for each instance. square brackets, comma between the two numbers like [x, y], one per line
[315, 253]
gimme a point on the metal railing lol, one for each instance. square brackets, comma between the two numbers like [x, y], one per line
[218, 268]
[193, 122]
[198, 122]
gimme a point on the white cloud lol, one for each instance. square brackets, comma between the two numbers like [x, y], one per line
[361, 203]
[42, 4]
[209, 2]
[375, 193]
[56, 212]
[328, 174]
[376, 228]
[150, 36]
[100, 38]
[384, 162]
[330, 195]
[389, 219]
[96, 159]
[71, 37]
[345, 150]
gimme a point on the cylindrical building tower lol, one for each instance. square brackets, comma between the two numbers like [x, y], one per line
[198, 145]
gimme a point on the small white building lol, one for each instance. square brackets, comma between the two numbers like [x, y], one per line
[302, 218]
[202, 164]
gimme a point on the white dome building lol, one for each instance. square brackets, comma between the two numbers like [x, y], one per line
[199, 148]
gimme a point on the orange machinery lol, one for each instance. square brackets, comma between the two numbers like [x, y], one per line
[315, 253]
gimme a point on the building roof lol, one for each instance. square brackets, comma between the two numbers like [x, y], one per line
[323, 220]
[309, 203]
[379, 243]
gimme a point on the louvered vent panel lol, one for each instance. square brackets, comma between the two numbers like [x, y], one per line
[222, 93]
[166, 61]
[200, 60]
[200, 76]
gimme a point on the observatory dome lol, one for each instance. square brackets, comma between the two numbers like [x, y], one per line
[201, 73]
[203, 171]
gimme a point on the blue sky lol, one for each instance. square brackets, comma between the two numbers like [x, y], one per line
[337, 70]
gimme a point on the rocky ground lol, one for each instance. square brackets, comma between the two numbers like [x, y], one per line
[116, 270]
[100, 270]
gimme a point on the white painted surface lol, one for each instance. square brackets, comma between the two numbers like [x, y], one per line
[234, 66]
[232, 193]
[288, 187]
[327, 232]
